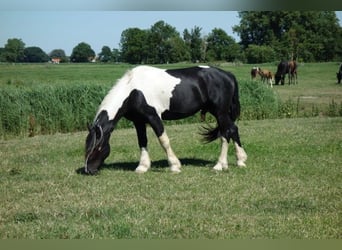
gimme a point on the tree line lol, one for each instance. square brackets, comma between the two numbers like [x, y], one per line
[265, 36]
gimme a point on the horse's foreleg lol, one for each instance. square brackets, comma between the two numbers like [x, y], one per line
[222, 162]
[145, 162]
[271, 82]
[164, 141]
[174, 163]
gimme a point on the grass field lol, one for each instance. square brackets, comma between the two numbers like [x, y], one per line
[290, 189]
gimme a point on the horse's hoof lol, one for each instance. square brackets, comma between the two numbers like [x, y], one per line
[241, 164]
[217, 168]
[220, 166]
[175, 169]
[141, 169]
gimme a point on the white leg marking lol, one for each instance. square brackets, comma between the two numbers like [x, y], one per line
[145, 162]
[174, 163]
[241, 155]
[222, 162]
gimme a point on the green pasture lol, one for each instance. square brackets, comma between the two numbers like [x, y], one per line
[291, 187]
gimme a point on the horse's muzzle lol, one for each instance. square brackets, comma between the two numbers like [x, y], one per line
[88, 171]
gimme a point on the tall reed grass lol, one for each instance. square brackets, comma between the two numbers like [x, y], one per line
[47, 109]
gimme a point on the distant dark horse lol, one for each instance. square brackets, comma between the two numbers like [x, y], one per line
[146, 95]
[339, 74]
[286, 67]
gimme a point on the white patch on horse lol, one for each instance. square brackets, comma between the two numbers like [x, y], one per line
[174, 163]
[144, 163]
[154, 83]
[241, 155]
[222, 162]
[116, 96]
[204, 66]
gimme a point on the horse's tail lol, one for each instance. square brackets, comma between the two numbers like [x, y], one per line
[235, 106]
[212, 133]
[209, 133]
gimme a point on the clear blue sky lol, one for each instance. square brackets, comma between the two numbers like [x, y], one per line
[65, 29]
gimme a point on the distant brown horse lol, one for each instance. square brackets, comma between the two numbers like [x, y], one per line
[266, 75]
[293, 72]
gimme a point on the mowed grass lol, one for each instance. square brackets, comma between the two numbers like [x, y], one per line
[291, 188]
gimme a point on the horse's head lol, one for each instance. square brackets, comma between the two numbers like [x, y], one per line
[278, 78]
[96, 149]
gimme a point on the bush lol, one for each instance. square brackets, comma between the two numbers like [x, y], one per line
[257, 101]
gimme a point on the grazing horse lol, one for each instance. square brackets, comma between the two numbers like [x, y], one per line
[339, 74]
[293, 72]
[266, 75]
[286, 67]
[254, 72]
[148, 95]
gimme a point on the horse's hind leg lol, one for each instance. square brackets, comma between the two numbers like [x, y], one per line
[229, 130]
[222, 162]
[241, 155]
[223, 125]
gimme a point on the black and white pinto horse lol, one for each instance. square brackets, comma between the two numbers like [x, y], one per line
[148, 95]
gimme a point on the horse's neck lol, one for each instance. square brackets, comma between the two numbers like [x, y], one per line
[113, 101]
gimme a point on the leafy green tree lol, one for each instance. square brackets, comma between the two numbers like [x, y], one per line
[116, 55]
[178, 50]
[259, 54]
[14, 50]
[158, 42]
[105, 54]
[194, 42]
[2, 55]
[304, 35]
[82, 53]
[221, 46]
[35, 55]
[133, 45]
[59, 53]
